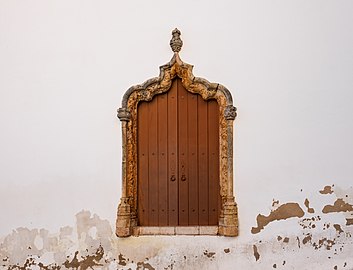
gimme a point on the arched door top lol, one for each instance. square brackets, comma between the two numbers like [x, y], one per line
[127, 209]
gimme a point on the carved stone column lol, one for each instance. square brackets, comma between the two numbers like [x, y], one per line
[123, 223]
[229, 219]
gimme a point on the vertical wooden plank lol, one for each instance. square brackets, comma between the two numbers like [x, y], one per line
[142, 164]
[203, 160]
[192, 157]
[183, 155]
[172, 156]
[163, 160]
[213, 162]
[153, 163]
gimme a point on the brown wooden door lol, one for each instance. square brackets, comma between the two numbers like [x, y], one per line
[178, 159]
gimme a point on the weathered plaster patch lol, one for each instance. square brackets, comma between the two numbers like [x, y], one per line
[209, 254]
[309, 209]
[122, 260]
[256, 253]
[307, 238]
[283, 212]
[327, 190]
[143, 266]
[309, 223]
[349, 221]
[338, 228]
[321, 242]
[339, 206]
[85, 262]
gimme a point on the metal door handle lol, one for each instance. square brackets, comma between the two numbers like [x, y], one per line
[183, 177]
[172, 178]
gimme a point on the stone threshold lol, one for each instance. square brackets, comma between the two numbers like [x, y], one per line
[176, 230]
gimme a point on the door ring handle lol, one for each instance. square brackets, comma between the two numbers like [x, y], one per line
[183, 177]
[172, 178]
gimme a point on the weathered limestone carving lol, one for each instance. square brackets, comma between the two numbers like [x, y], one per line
[176, 43]
[230, 112]
[127, 209]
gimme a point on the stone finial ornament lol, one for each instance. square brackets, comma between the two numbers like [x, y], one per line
[176, 43]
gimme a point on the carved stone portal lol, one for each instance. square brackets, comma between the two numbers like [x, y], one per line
[127, 223]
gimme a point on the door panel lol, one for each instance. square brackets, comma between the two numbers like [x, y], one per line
[153, 163]
[173, 176]
[178, 160]
[203, 160]
[213, 162]
[142, 164]
[183, 155]
[162, 160]
[193, 161]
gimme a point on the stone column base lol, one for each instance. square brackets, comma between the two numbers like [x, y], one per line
[228, 225]
[123, 222]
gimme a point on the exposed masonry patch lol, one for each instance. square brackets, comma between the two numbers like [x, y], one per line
[309, 209]
[318, 232]
[338, 228]
[92, 245]
[283, 212]
[85, 262]
[339, 206]
[349, 221]
[327, 190]
[256, 253]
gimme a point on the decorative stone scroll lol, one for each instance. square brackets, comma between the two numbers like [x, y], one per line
[127, 223]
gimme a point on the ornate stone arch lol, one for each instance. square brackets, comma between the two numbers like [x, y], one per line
[126, 223]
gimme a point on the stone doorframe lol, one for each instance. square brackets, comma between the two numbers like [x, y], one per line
[127, 223]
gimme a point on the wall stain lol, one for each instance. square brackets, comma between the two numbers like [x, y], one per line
[283, 212]
[349, 221]
[122, 260]
[326, 190]
[309, 223]
[209, 254]
[298, 241]
[324, 242]
[275, 203]
[307, 238]
[339, 206]
[143, 266]
[256, 253]
[87, 261]
[92, 244]
[309, 209]
[338, 228]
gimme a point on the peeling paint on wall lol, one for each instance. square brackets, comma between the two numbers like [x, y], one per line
[256, 253]
[326, 190]
[309, 209]
[283, 212]
[339, 206]
[320, 242]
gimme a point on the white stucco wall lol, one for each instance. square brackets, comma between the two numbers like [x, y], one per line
[64, 66]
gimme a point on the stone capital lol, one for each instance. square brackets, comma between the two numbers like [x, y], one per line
[230, 112]
[124, 114]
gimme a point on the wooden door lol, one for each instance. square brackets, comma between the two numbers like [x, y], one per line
[178, 160]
